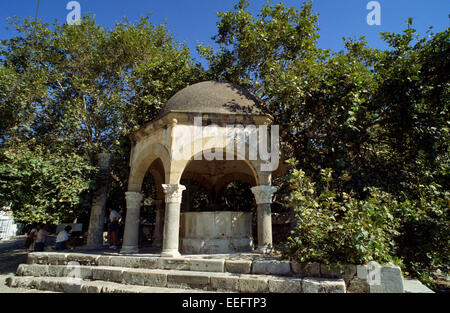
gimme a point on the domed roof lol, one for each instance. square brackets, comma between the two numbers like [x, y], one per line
[213, 97]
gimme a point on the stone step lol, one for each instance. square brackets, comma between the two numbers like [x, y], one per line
[246, 265]
[66, 285]
[415, 286]
[205, 281]
[369, 278]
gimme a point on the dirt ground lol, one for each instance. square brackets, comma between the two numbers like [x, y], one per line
[9, 261]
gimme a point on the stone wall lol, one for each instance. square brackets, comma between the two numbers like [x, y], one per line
[215, 232]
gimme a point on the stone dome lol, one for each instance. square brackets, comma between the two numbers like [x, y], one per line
[213, 97]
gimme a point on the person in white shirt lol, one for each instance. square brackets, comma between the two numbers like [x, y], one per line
[113, 227]
[63, 238]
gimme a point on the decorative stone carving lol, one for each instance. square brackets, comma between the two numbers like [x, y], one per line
[173, 192]
[134, 199]
[263, 194]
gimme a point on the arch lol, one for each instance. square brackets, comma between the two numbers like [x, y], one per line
[177, 167]
[144, 156]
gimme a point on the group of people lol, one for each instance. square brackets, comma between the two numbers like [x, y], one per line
[37, 237]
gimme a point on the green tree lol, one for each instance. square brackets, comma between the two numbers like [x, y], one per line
[377, 120]
[45, 186]
[82, 89]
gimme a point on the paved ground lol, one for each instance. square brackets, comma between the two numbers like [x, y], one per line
[12, 253]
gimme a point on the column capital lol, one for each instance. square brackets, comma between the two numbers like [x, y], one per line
[133, 198]
[263, 193]
[173, 192]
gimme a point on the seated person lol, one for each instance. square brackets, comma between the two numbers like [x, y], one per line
[63, 238]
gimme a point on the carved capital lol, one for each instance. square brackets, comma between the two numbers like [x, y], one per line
[173, 192]
[263, 193]
[134, 199]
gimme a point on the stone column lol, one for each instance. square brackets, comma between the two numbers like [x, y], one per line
[173, 194]
[263, 195]
[131, 235]
[97, 219]
[157, 232]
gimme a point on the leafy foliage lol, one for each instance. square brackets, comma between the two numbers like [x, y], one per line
[369, 128]
[45, 186]
[378, 121]
[80, 90]
[336, 227]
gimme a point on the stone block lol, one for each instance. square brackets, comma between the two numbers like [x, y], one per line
[110, 287]
[238, 266]
[321, 285]
[104, 260]
[11, 281]
[144, 278]
[72, 286]
[33, 270]
[17, 282]
[311, 285]
[115, 275]
[174, 264]
[57, 271]
[51, 284]
[155, 279]
[382, 279]
[125, 261]
[391, 280]
[415, 286]
[194, 280]
[57, 259]
[345, 271]
[20, 269]
[306, 269]
[222, 223]
[332, 286]
[32, 258]
[149, 262]
[248, 284]
[285, 285]
[358, 285]
[99, 273]
[271, 267]
[82, 259]
[91, 287]
[74, 271]
[131, 277]
[107, 273]
[207, 265]
[39, 257]
[225, 282]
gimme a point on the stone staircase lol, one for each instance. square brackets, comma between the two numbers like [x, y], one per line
[243, 273]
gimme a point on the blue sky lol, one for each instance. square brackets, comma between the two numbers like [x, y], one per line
[195, 20]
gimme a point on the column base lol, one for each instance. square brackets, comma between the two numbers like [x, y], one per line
[170, 254]
[129, 250]
[264, 249]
